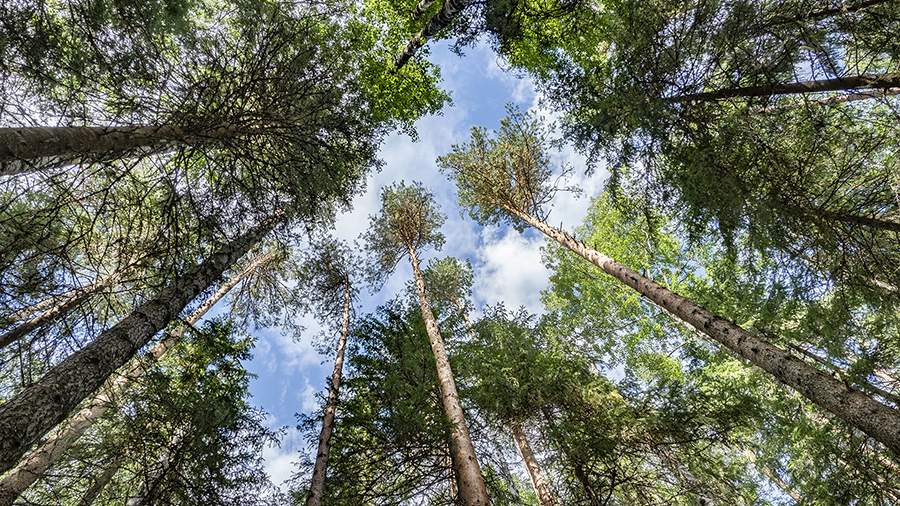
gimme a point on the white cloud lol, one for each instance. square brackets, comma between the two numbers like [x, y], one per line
[279, 463]
[509, 270]
[307, 398]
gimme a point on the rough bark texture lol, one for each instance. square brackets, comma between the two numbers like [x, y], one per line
[93, 492]
[59, 310]
[470, 482]
[153, 477]
[888, 396]
[317, 483]
[837, 84]
[36, 463]
[438, 23]
[35, 410]
[421, 8]
[538, 479]
[852, 406]
[37, 148]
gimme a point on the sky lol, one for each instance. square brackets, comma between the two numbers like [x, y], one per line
[507, 265]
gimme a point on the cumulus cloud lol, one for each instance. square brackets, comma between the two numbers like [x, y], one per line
[509, 270]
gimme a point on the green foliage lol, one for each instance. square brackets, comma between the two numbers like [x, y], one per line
[408, 222]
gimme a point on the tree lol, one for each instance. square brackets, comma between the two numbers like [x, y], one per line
[408, 223]
[34, 411]
[326, 274]
[36, 463]
[508, 177]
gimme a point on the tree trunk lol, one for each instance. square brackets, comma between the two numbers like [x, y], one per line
[26, 417]
[60, 310]
[153, 477]
[885, 81]
[93, 492]
[884, 394]
[472, 489]
[538, 479]
[827, 13]
[855, 408]
[421, 8]
[837, 99]
[36, 463]
[32, 149]
[317, 484]
[440, 21]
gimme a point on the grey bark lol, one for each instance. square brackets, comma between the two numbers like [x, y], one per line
[36, 463]
[421, 8]
[97, 486]
[538, 478]
[885, 81]
[30, 149]
[852, 406]
[470, 482]
[317, 483]
[815, 357]
[39, 407]
[59, 310]
[438, 23]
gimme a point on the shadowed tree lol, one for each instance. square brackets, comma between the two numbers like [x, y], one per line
[408, 223]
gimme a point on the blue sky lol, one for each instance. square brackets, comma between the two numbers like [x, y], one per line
[507, 265]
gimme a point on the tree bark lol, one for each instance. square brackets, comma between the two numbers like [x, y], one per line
[150, 483]
[39, 407]
[24, 150]
[93, 492]
[885, 81]
[60, 310]
[317, 484]
[538, 479]
[827, 13]
[852, 406]
[438, 23]
[470, 482]
[36, 463]
[875, 390]
[421, 8]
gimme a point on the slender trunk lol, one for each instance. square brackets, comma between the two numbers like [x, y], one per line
[781, 484]
[60, 310]
[885, 81]
[538, 479]
[36, 463]
[317, 484]
[837, 99]
[26, 417]
[855, 408]
[153, 477]
[472, 489]
[854, 219]
[32, 149]
[454, 492]
[438, 23]
[25, 312]
[93, 492]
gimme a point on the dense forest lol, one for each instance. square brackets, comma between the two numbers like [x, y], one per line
[722, 328]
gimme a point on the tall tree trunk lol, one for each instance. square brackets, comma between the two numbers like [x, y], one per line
[25, 312]
[440, 21]
[39, 148]
[99, 483]
[472, 489]
[837, 99]
[857, 409]
[885, 81]
[39, 407]
[317, 484]
[59, 310]
[864, 385]
[538, 479]
[36, 463]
